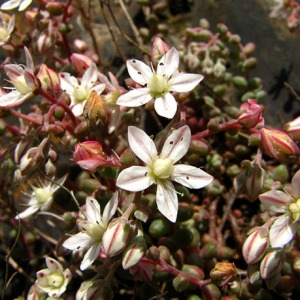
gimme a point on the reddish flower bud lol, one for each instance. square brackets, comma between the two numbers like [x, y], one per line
[250, 113]
[293, 128]
[279, 145]
[271, 264]
[49, 79]
[159, 49]
[80, 63]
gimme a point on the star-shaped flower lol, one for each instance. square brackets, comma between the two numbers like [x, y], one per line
[160, 168]
[159, 85]
[80, 91]
[12, 4]
[54, 279]
[93, 228]
[284, 227]
[41, 197]
[6, 28]
[24, 81]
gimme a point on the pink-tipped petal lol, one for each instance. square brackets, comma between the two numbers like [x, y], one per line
[166, 106]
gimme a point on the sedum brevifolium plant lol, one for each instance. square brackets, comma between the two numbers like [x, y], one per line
[137, 166]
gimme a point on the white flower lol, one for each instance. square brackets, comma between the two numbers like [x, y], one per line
[93, 229]
[6, 28]
[24, 81]
[54, 279]
[41, 198]
[12, 4]
[79, 92]
[159, 85]
[160, 168]
[284, 227]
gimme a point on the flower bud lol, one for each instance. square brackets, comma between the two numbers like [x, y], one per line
[93, 290]
[49, 79]
[116, 236]
[223, 272]
[279, 145]
[255, 245]
[21, 149]
[255, 178]
[46, 40]
[134, 252]
[158, 50]
[80, 63]
[89, 155]
[271, 264]
[293, 128]
[250, 113]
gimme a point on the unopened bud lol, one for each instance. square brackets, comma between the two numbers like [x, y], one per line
[279, 145]
[49, 79]
[116, 236]
[134, 252]
[80, 63]
[223, 272]
[293, 128]
[255, 245]
[158, 50]
[250, 113]
[254, 181]
[271, 264]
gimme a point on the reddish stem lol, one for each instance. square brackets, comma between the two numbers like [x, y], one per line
[25, 117]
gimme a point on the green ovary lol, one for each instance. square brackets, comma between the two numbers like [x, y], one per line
[42, 195]
[3, 34]
[55, 279]
[21, 85]
[95, 231]
[80, 94]
[295, 210]
[158, 85]
[162, 168]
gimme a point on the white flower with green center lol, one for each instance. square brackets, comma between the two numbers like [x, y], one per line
[79, 92]
[160, 168]
[24, 81]
[93, 228]
[41, 197]
[6, 28]
[54, 279]
[159, 85]
[285, 226]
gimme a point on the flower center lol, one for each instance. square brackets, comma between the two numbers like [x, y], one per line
[162, 168]
[42, 195]
[158, 85]
[94, 230]
[3, 34]
[80, 94]
[295, 210]
[21, 85]
[55, 279]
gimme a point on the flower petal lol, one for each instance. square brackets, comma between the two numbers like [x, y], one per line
[110, 208]
[183, 83]
[166, 200]
[141, 144]
[169, 63]
[78, 241]
[90, 256]
[27, 212]
[90, 76]
[275, 200]
[134, 98]
[295, 184]
[166, 106]
[177, 144]
[139, 71]
[191, 177]
[8, 5]
[13, 98]
[93, 210]
[24, 4]
[77, 109]
[282, 231]
[134, 179]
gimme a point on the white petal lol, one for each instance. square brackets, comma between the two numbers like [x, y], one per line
[110, 208]
[27, 212]
[296, 185]
[177, 144]
[8, 5]
[183, 83]
[191, 177]
[169, 63]
[141, 144]
[24, 4]
[134, 98]
[78, 241]
[139, 71]
[282, 231]
[90, 256]
[29, 61]
[77, 109]
[166, 200]
[275, 200]
[93, 210]
[67, 82]
[14, 98]
[90, 76]
[134, 179]
[99, 88]
[166, 106]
